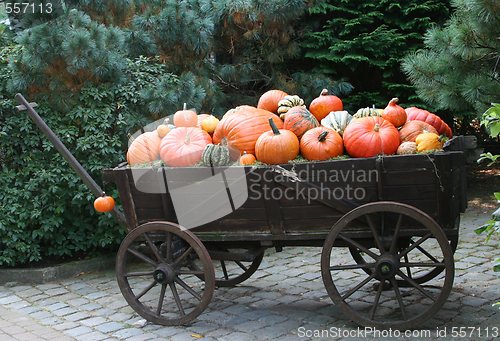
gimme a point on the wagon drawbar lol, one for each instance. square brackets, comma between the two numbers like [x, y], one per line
[400, 234]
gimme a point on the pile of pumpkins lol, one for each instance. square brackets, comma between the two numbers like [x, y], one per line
[281, 127]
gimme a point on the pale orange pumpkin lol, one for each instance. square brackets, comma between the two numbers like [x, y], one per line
[276, 146]
[185, 118]
[270, 99]
[412, 129]
[321, 144]
[183, 147]
[145, 148]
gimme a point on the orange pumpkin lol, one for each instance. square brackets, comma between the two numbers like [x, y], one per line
[417, 114]
[183, 147]
[411, 129]
[371, 136]
[145, 148]
[394, 113]
[325, 104]
[243, 125]
[299, 120]
[104, 203]
[269, 100]
[247, 159]
[185, 118]
[276, 146]
[162, 130]
[321, 144]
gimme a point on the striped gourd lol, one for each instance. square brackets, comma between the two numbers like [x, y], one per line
[289, 102]
[365, 112]
[337, 120]
[215, 155]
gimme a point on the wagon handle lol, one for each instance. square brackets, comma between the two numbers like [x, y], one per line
[61, 148]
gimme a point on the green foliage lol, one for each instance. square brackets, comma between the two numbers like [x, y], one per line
[491, 120]
[61, 57]
[458, 69]
[363, 42]
[45, 210]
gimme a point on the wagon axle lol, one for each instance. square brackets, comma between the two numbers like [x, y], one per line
[386, 267]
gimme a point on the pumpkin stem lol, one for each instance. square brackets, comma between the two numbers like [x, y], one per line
[187, 139]
[376, 128]
[184, 107]
[322, 136]
[324, 92]
[275, 129]
[394, 101]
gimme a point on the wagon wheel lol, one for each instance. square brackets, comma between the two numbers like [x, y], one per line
[401, 307]
[229, 273]
[153, 274]
[233, 272]
[424, 276]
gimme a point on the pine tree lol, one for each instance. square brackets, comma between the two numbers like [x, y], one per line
[364, 42]
[63, 55]
[459, 68]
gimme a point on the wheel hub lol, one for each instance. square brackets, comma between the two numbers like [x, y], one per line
[386, 267]
[164, 274]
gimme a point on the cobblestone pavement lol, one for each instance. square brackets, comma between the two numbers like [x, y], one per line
[286, 293]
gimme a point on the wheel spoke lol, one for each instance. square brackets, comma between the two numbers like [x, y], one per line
[183, 256]
[224, 270]
[188, 288]
[352, 266]
[359, 246]
[153, 247]
[240, 264]
[177, 299]
[408, 270]
[375, 234]
[416, 285]
[357, 287]
[141, 256]
[144, 292]
[162, 297]
[421, 249]
[377, 299]
[422, 265]
[396, 234]
[398, 297]
[414, 245]
[168, 250]
[139, 273]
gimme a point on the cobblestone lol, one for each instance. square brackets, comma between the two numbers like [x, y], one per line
[286, 293]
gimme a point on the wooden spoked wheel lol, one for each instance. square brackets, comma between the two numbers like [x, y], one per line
[155, 277]
[229, 273]
[360, 289]
[424, 275]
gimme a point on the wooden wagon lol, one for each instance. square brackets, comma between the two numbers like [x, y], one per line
[388, 227]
